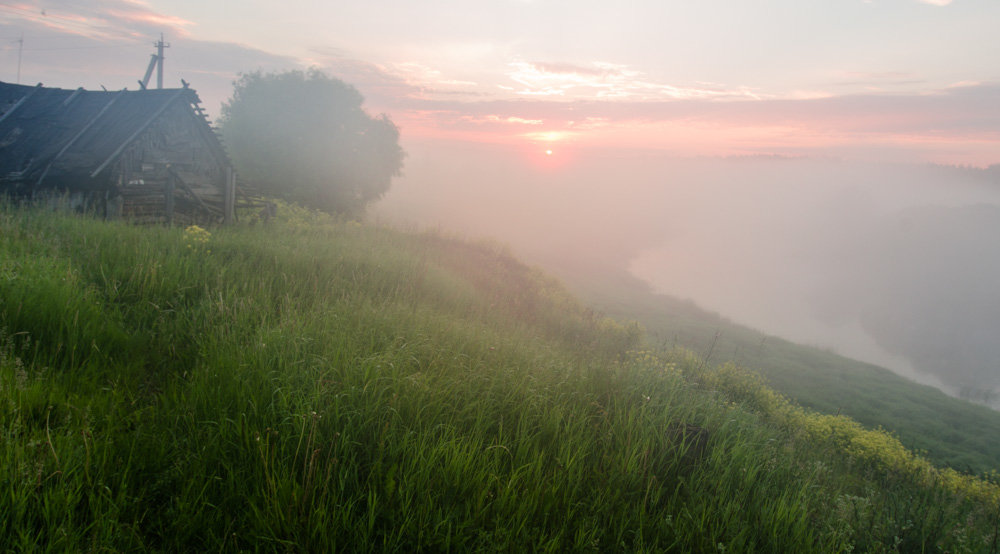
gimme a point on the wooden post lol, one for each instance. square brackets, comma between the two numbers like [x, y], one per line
[229, 208]
[169, 197]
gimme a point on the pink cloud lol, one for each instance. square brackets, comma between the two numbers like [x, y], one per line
[96, 19]
[602, 80]
[141, 16]
[955, 125]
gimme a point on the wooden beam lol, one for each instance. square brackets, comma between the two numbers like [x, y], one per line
[230, 191]
[73, 96]
[169, 193]
[20, 102]
[137, 132]
[79, 134]
[179, 182]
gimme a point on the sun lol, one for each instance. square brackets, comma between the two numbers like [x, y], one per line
[548, 156]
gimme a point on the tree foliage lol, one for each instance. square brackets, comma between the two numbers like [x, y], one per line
[303, 136]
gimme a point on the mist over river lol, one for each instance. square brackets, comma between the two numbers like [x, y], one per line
[892, 264]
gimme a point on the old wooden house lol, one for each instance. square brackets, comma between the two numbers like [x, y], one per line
[147, 155]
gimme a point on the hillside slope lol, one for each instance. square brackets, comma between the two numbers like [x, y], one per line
[323, 386]
[949, 431]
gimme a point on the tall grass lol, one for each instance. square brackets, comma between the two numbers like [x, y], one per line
[316, 385]
[948, 431]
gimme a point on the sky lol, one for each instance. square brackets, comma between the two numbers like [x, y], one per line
[892, 80]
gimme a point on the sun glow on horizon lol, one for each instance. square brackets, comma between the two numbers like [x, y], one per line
[549, 136]
[549, 157]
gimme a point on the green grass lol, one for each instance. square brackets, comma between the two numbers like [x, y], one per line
[949, 431]
[324, 386]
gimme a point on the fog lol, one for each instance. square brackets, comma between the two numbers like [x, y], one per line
[891, 264]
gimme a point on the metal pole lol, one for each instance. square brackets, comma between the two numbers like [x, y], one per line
[160, 45]
[20, 47]
[159, 63]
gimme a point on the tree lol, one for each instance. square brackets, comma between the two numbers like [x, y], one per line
[304, 137]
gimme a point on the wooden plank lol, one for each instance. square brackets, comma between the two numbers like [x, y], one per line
[20, 102]
[169, 193]
[230, 192]
[79, 134]
[183, 186]
[138, 131]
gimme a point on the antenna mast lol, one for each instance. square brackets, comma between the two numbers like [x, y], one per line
[157, 62]
[20, 47]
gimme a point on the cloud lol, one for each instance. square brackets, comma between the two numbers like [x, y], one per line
[514, 119]
[96, 19]
[557, 68]
[135, 13]
[960, 108]
[379, 84]
[496, 122]
[936, 2]
[211, 67]
[879, 80]
[395, 86]
[952, 125]
[549, 136]
[603, 80]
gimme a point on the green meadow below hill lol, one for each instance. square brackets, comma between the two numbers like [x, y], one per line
[314, 385]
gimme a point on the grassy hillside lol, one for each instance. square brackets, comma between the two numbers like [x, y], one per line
[949, 431]
[321, 386]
